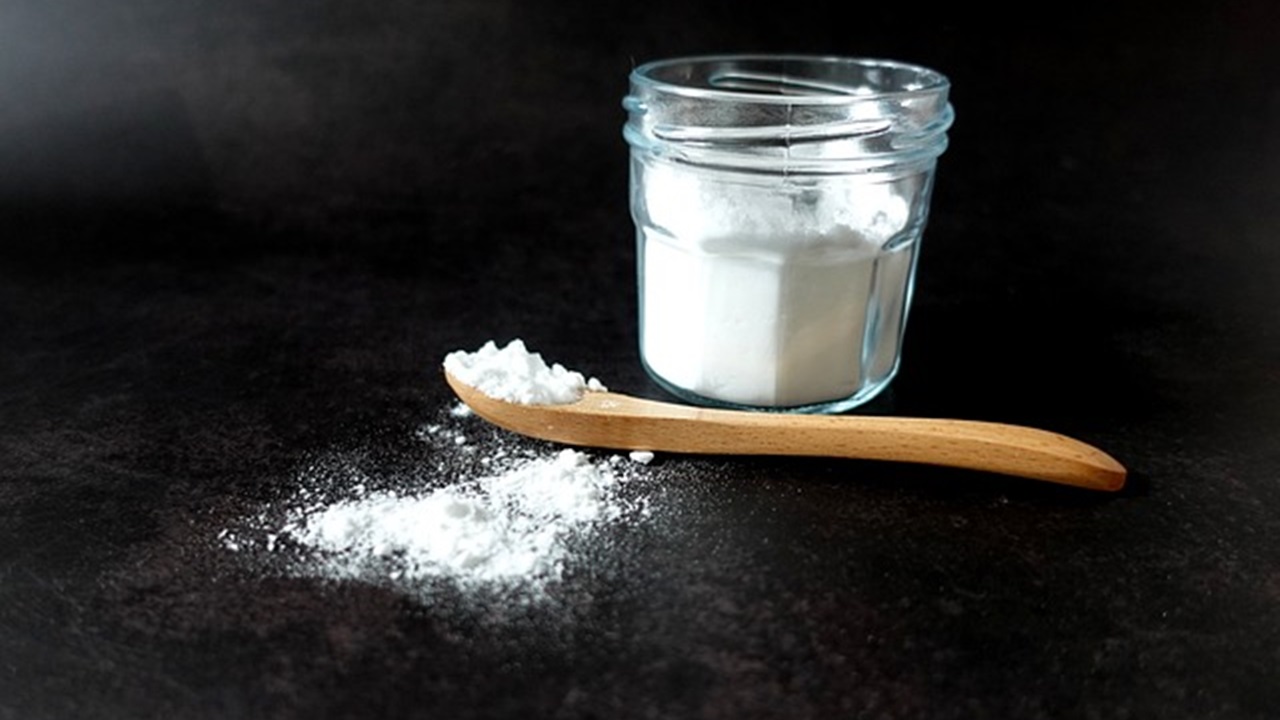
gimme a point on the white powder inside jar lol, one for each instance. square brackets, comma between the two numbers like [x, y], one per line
[514, 374]
[758, 297]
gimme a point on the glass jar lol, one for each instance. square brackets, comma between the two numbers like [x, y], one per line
[779, 203]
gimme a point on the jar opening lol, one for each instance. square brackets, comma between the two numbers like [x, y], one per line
[788, 78]
[789, 113]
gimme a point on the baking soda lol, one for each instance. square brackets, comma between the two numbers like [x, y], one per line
[758, 297]
[514, 374]
[644, 457]
[513, 526]
[506, 518]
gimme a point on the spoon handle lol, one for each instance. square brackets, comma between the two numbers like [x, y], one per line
[974, 445]
[624, 422]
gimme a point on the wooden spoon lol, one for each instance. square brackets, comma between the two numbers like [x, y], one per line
[621, 422]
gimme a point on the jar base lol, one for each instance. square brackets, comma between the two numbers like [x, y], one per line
[828, 407]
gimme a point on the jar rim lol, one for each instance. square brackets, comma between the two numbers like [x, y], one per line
[798, 89]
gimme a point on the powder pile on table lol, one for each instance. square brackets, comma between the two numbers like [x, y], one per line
[513, 524]
[509, 527]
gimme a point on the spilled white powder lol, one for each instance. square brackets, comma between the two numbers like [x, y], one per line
[514, 374]
[508, 518]
[507, 527]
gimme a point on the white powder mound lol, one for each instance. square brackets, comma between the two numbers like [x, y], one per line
[512, 527]
[516, 375]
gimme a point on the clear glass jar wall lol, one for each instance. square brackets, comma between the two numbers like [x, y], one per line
[779, 204]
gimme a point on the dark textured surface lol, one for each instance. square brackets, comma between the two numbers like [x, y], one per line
[240, 236]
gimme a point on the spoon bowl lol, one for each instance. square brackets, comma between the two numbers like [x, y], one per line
[621, 422]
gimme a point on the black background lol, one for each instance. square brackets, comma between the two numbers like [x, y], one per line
[238, 236]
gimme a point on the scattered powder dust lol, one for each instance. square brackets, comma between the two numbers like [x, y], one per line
[480, 509]
[507, 527]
